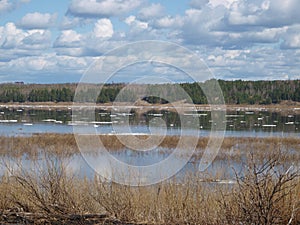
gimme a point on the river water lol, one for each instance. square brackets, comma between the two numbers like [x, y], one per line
[238, 123]
[25, 122]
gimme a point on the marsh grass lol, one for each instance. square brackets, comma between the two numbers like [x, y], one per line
[65, 144]
[268, 192]
[265, 195]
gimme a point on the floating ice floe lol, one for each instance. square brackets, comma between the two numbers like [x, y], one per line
[289, 123]
[49, 120]
[102, 122]
[155, 114]
[195, 114]
[234, 115]
[124, 114]
[8, 121]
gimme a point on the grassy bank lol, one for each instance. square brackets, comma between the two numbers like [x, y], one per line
[267, 193]
[283, 107]
[264, 195]
[65, 144]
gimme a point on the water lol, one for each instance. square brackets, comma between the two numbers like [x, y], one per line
[25, 122]
[221, 170]
[238, 123]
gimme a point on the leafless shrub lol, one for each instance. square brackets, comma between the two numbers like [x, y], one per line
[267, 194]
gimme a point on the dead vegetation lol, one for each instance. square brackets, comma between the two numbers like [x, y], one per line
[47, 193]
[65, 144]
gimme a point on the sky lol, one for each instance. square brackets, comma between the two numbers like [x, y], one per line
[57, 41]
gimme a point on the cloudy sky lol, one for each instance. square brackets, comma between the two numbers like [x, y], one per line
[56, 41]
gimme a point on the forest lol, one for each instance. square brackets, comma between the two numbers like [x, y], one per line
[235, 92]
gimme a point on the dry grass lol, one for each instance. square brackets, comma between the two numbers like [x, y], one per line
[267, 193]
[48, 193]
[65, 144]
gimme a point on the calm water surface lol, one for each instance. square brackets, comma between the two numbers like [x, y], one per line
[238, 123]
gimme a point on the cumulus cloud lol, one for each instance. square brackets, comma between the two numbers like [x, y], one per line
[198, 4]
[103, 29]
[265, 13]
[15, 42]
[10, 36]
[37, 39]
[150, 12]
[234, 24]
[141, 30]
[9, 5]
[46, 68]
[237, 38]
[169, 22]
[137, 24]
[37, 20]
[6, 5]
[101, 8]
[292, 38]
[225, 3]
[70, 22]
[68, 38]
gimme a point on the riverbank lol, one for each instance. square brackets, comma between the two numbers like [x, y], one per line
[65, 144]
[284, 107]
[48, 194]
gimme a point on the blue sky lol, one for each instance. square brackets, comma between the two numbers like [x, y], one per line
[56, 41]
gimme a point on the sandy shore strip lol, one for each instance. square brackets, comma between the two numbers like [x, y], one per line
[144, 106]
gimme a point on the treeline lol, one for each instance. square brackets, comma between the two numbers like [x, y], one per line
[235, 92]
[43, 95]
[260, 92]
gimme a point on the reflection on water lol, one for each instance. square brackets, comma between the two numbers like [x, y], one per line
[238, 123]
[222, 169]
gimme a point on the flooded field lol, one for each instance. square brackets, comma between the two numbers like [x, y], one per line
[20, 121]
[45, 176]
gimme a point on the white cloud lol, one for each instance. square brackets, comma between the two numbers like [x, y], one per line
[103, 28]
[275, 13]
[170, 22]
[198, 4]
[150, 12]
[37, 20]
[15, 42]
[9, 5]
[292, 38]
[226, 3]
[69, 23]
[68, 38]
[37, 39]
[102, 8]
[137, 24]
[238, 38]
[11, 36]
[6, 5]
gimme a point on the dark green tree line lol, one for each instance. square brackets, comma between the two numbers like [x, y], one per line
[235, 92]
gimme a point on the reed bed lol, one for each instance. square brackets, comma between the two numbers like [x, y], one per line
[50, 195]
[65, 144]
[268, 192]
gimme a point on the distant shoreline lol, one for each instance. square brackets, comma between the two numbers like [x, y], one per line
[283, 107]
